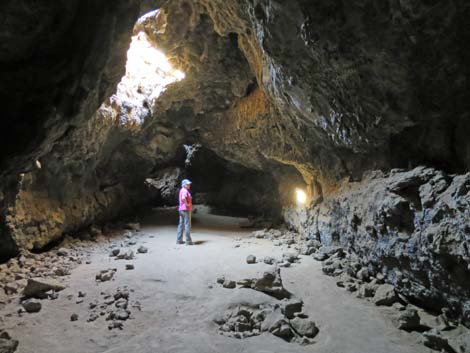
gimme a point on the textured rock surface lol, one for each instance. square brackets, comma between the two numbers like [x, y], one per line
[59, 63]
[292, 94]
[412, 227]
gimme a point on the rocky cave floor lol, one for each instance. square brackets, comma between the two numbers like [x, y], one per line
[235, 290]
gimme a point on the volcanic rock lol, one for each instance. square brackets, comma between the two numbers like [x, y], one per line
[7, 345]
[31, 305]
[385, 295]
[304, 327]
[142, 250]
[37, 287]
[251, 259]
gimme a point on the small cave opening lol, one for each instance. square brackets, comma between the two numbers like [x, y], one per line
[228, 188]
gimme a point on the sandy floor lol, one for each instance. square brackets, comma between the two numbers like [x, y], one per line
[173, 286]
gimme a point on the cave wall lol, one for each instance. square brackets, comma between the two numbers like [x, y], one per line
[330, 88]
[411, 226]
[58, 63]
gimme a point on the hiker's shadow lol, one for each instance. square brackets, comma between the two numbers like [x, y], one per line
[199, 242]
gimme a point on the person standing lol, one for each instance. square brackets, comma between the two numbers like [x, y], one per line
[185, 207]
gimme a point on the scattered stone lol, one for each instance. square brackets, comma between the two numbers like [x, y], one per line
[92, 317]
[281, 329]
[229, 284]
[81, 294]
[409, 320]
[221, 280]
[127, 255]
[351, 287]
[245, 283]
[307, 250]
[367, 290]
[62, 271]
[244, 321]
[268, 260]
[385, 295]
[116, 324]
[31, 305]
[142, 250]
[52, 295]
[290, 307]
[320, 256]
[37, 287]
[7, 345]
[109, 300]
[434, 340]
[363, 274]
[62, 252]
[251, 259]
[290, 257]
[11, 288]
[260, 234]
[271, 283]
[129, 266]
[74, 317]
[121, 303]
[459, 339]
[121, 315]
[105, 275]
[114, 252]
[121, 293]
[304, 327]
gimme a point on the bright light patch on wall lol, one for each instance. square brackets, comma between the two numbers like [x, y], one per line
[146, 63]
[300, 196]
[148, 73]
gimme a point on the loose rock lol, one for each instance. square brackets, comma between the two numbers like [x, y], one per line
[37, 287]
[385, 295]
[304, 327]
[251, 259]
[142, 250]
[31, 305]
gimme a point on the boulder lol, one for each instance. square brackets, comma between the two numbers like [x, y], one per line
[31, 305]
[435, 340]
[251, 259]
[291, 306]
[7, 345]
[268, 260]
[304, 327]
[229, 284]
[385, 295]
[290, 257]
[408, 320]
[142, 250]
[37, 287]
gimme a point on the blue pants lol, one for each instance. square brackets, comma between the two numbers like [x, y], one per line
[184, 225]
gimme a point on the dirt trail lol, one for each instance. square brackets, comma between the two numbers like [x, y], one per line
[176, 288]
